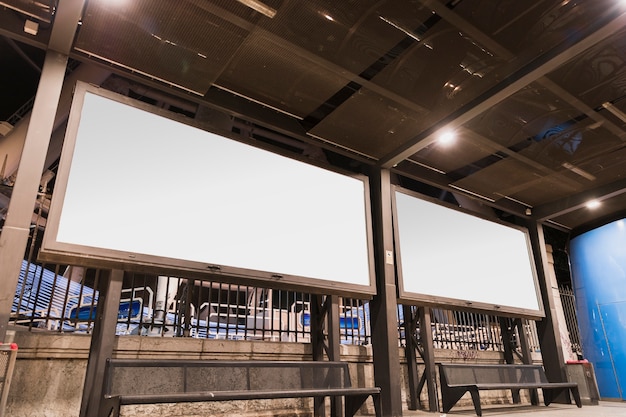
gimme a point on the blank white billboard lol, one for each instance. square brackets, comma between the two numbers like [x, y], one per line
[451, 258]
[135, 187]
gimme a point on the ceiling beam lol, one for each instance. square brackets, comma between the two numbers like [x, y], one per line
[12, 27]
[66, 21]
[583, 108]
[427, 176]
[541, 168]
[577, 201]
[529, 73]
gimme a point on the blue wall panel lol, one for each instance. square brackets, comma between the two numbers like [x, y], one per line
[598, 262]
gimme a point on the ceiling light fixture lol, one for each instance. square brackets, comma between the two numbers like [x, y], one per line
[259, 7]
[447, 137]
[592, 204]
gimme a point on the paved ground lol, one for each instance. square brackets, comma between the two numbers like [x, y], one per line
[604, 409]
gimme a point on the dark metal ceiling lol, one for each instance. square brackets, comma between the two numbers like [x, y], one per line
[533, 90]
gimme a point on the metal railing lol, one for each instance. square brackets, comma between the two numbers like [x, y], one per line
[65, 300]
[462, 330]
[568, 301]
[8, 354]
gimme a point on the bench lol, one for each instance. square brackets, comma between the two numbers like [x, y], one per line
[145, 381]
[457, 379]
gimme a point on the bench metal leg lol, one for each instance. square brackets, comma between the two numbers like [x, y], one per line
[450, 396]
[549, 394]
[109, 407]
[378, 404]
[576, 395]
[516, 397]
[319, 406]
[353, 403]
[476, 400]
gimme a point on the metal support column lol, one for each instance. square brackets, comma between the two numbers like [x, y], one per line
[333, 348]
[332, 318]
[318, 325]
[411, 348]
[548, 327]
[413, 318]
[507, 332]
[383, 305]
[186, 324]
[325, 316]
[102, 341]
[426, 334]
[14, 235]
[526, 356]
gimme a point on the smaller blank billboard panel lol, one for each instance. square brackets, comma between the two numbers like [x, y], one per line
[135, 187]
[448, 257]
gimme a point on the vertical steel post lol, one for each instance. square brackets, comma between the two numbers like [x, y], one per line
[318, 317]
[426, 334]
[526, 356]
[548, 327]
[102, 341]
[14, 235]
[410, 350]
[325, 314]
[506, 330]
[318, 346]
[187, 308]
[334, 350]
[383, 306]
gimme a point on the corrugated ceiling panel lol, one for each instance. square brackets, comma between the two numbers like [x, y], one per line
[175, 42]
[598, 75]
[575, 145]
[268, 70]
[529, 115]
[605, 167]
[368, 124]
[351, 34]
[441, 73]
[511, 178]
[546, 189]
[528, 28]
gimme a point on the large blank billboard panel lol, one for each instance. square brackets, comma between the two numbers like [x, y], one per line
[135, 187]
[448, 257]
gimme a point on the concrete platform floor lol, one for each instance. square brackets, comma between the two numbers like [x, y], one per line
[603, 409]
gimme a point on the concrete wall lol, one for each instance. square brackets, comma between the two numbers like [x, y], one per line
[50, 370]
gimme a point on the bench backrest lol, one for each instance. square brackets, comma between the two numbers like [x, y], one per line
[490, 374]
[145, 376]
